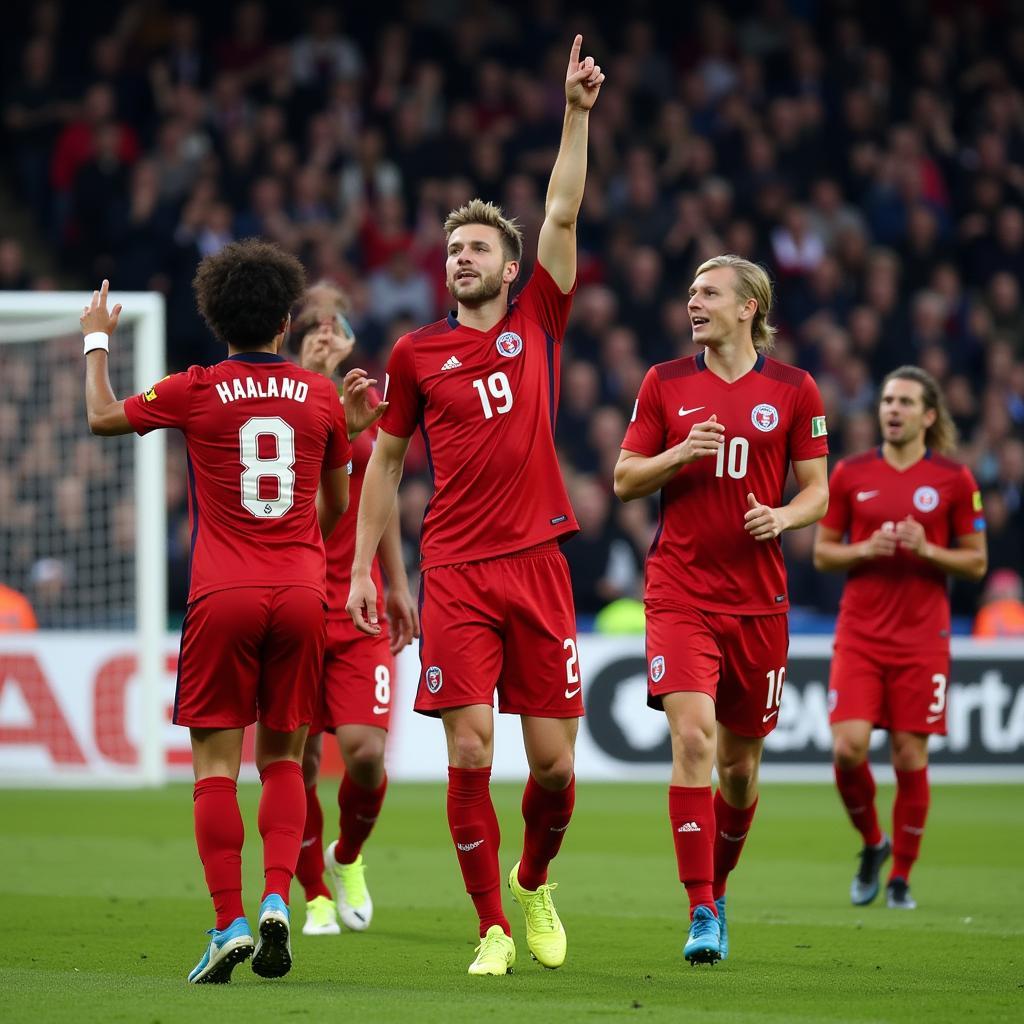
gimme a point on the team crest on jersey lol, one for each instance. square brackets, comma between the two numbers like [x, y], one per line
[926, 499]
[765, 417]
[434, 679]
[657, 668]
[509, 344]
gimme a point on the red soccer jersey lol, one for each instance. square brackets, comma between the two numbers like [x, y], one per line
[259, 431]
[900, 601]
[702, 556]
[341, 545]
[486, 402]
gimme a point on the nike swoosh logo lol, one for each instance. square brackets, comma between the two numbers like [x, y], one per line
[866, 495]
[683, 411]
[379, 711]
[772, 715]
[569, 694]
[932, 718]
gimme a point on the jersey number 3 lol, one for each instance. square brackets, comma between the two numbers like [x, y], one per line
[267, 451]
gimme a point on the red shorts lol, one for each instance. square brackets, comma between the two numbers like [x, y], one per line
[507, 624]
[250, 654]
[738, 660]
[891, 692]
[357, 678]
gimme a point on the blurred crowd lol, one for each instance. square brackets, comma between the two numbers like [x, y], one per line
[870, 155]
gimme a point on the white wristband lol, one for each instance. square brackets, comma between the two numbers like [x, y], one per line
[95, 340]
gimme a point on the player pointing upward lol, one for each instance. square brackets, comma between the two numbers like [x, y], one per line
[716, 434]
[497, 606]
[262, 434]
[903, 517]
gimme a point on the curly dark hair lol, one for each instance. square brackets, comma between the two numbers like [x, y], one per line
[246, 291]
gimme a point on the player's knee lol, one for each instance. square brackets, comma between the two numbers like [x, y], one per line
[692, 742]
[310, 766]
[849, 752]
[470, 750]
[365, 759]
[554, 774]
[909, 752]
[738, 777]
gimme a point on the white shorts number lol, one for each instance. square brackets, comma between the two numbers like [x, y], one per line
[739, 452]
[499, 388]
[382, 691]
[278, 468]
[775, 681]
[572, 663]
[936, 707]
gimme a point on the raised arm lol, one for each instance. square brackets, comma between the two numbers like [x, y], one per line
[376, 505]
[556, 247]
[104, 410]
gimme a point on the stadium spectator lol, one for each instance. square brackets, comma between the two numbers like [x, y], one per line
[1002, 606]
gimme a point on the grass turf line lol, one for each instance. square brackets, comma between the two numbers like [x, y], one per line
[106, 909]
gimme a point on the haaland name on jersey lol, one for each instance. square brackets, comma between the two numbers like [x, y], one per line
[246, 387]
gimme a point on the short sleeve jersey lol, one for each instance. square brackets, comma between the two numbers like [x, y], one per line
[486, 401]
[701, 555]
[341, 544]
[900, 601]
[259, 432]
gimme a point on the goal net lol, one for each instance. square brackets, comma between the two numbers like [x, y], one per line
[82, 552]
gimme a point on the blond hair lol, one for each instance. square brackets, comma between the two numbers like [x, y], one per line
[752, 282]
[941, 436]
[476, 211]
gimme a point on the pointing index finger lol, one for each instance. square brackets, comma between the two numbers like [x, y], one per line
[574, 52]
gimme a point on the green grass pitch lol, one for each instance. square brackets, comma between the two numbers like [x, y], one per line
[105, 910]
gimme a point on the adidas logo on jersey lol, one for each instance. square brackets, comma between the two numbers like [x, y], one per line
[452, 363]
[689, 826]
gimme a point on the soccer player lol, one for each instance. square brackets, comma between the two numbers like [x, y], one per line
[262, 436]
[496, 599]
[903, 517]
[356, 683]
[716, 434]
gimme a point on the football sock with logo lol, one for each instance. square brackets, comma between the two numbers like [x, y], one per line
[731, 827]
[692, 814]
[359, 809]
[474, 829]
[219, 836]
[857, 791]
[908, 817]
[310, 868]
[547, 813]
[281, 816]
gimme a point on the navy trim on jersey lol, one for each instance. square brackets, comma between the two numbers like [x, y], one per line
[757, 367]
[256, 357]
[430, 466]
[453, 320]
[551, 380]
[195, 518]
[177, 675]
[661, 523]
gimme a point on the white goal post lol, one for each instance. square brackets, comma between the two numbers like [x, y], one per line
[39, 336]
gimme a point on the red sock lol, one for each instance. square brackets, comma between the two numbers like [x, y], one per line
[908, 817]
[310, 868]
[281, 816]
[474, 828]
[857, 791]
[219, 836]
[731, 827]
[692, 815]
[547, 814]
[359, 810]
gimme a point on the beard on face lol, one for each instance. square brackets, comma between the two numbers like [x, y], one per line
[484, 289]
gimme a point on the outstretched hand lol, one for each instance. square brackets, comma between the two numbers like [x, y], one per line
[359, 413]
[95, 316]
[583, 78]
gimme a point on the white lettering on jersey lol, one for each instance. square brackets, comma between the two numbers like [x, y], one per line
[249, 388]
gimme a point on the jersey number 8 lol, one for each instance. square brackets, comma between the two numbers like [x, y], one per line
[276, 467]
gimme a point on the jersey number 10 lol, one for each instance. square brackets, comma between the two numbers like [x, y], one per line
[735, 462]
